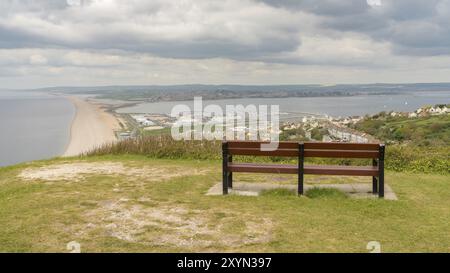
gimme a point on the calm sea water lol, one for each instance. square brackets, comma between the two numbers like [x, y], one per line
[33, 126]
[333, 106]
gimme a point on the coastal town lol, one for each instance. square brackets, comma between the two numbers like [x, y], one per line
[307, 127]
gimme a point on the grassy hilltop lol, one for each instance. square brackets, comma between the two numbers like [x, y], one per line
[134, 203]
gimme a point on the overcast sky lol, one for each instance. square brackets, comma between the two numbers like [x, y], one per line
[118, 42]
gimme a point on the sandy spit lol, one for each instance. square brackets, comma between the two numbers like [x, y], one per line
[92, 127]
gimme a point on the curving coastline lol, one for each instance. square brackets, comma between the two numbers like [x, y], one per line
[92, 127]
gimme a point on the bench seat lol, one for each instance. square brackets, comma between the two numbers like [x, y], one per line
[342, 170]
[262, 168]
[308, 169]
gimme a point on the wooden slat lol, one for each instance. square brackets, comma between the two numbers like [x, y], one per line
[308, 145]
[341, 146]
[309, 169]
[257, 144]
[341, 153]
[342, 170]
[262, 168]
[258, 152]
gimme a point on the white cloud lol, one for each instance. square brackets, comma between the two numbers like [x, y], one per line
[374, 3]
[51, 42]
[38, 59]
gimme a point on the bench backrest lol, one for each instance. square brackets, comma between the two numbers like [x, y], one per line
[311, 149]
[342, 150]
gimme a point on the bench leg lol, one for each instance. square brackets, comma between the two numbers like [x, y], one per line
[225, 183]
[374, 178]
[300, 184]
[225, 168]
[301, 168]
[381, 185]
[381, 173]
[374, 185]
[230, 174]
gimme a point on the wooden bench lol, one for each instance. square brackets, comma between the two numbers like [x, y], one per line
[303, 151]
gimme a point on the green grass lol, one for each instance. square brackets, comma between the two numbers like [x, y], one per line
[316, 193]
[278, 193]
[157, 132]
[147, 212]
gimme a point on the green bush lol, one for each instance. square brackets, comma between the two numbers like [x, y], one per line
[418, 159]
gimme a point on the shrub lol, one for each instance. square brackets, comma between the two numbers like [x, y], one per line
[401, 158]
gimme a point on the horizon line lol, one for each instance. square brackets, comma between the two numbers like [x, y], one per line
[221, 84]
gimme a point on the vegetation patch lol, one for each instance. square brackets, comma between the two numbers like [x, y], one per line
[278, 192]
[317, 193]
[174, 225]
[419, 131]
[399, 157]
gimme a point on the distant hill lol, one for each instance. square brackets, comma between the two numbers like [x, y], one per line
[377, 87]
[187, 92]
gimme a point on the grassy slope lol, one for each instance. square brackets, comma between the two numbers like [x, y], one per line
[45, 216]
[430, 130]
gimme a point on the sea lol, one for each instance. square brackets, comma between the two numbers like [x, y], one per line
[333, 106]
[33, 126]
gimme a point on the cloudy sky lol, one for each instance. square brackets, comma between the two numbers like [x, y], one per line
[114, 42]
